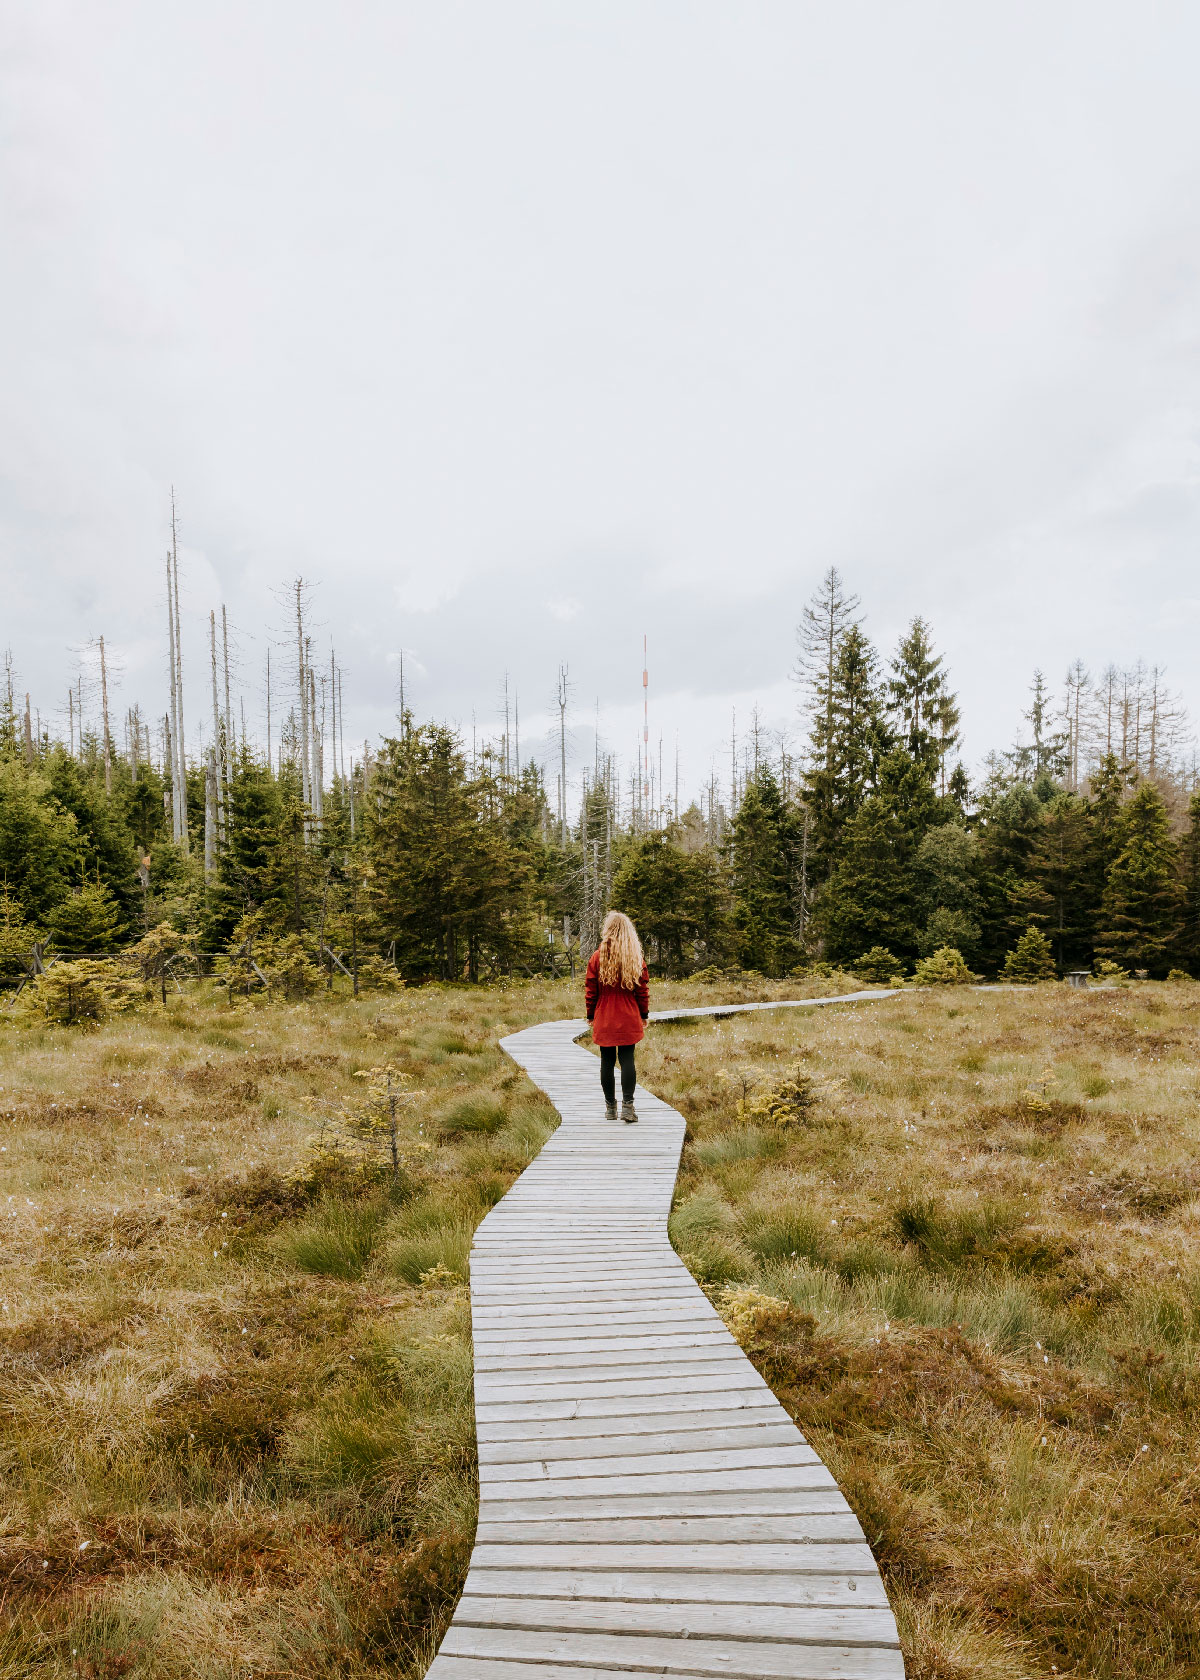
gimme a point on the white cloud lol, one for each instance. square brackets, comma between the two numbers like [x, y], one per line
[401, 297]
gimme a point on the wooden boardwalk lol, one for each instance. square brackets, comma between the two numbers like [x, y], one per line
[646, 1506]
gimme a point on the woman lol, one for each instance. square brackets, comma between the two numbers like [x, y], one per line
[617, 994]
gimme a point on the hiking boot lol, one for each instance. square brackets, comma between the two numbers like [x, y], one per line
[610, 1111]
[628, 1113]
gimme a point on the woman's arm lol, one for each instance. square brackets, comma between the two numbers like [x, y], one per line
[643, 993]
[591, 990]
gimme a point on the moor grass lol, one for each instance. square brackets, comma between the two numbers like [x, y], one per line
[236, 1435]
[980, 1252]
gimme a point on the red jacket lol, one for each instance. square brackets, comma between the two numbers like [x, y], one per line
[615, 1013]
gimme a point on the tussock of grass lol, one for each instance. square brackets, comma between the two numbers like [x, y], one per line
[337, 1239]
[481, 1113]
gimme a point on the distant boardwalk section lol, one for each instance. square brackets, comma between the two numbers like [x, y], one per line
[646, 1505]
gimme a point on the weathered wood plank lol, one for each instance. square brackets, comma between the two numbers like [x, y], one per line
[822, 1495]
[676, 1444]
[771, 1476]
[690, 1587]
[746, 1659]
[799, 1624]
[750, 1556]
[587, 1530]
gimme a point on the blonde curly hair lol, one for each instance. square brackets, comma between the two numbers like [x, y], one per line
[621, 959]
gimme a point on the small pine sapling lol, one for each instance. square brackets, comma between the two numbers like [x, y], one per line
[946, 967]
[1030, 959]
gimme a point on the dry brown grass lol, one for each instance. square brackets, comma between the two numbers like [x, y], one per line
[986, 1236]
[235, 1428]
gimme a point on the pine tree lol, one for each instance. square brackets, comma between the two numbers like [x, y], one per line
[1142, 910]
[847, 739]
[1059, 865]
[945, 889]
[1190, 859]
[678, 900]
[1030, 959]
[926, 713]
[866, 900]
[252, 871]
[87, 920]
[762, 852]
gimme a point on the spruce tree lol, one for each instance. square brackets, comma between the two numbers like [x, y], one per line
[866, 900]
[454, 895]
[1189, 944]
[677, 899]
[847, 740]
[1142, 910]
[251, 871]
[945, 889]
[1030, 959]
[830, 613]
[926, 713]
[41, 849]
[1059, 867]
[762, 851]
[87, 920]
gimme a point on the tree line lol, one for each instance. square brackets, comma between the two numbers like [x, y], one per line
[869, 847]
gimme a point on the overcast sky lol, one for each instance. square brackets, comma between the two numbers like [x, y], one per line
[525, 328]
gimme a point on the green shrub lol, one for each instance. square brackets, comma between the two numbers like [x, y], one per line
[82, 993]
[717, 1259]
[944, 968]
[879, 966]
[746, 1143]
[701, 1214]
[784, 1102]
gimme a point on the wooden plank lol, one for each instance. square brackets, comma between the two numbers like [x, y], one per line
[501, 1486]
[807, 1624]
[586, 1408]
[691, 1586]
[587, 1530]
[822, 1494]
[784, 1557]
[746, 1659]
[507, 1391]
[714, 1416]
[678, 1444]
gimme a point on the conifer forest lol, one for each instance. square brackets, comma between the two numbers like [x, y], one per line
[860, 841]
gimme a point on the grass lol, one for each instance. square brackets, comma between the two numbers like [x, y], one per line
[236, 1436]
[981, 1253]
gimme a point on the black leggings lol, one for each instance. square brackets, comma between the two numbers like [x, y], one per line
[608, 1083]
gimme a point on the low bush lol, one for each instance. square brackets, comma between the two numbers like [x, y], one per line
[944, 968]
[879, 966]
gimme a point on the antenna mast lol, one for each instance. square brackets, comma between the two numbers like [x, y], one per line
[645, 731]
